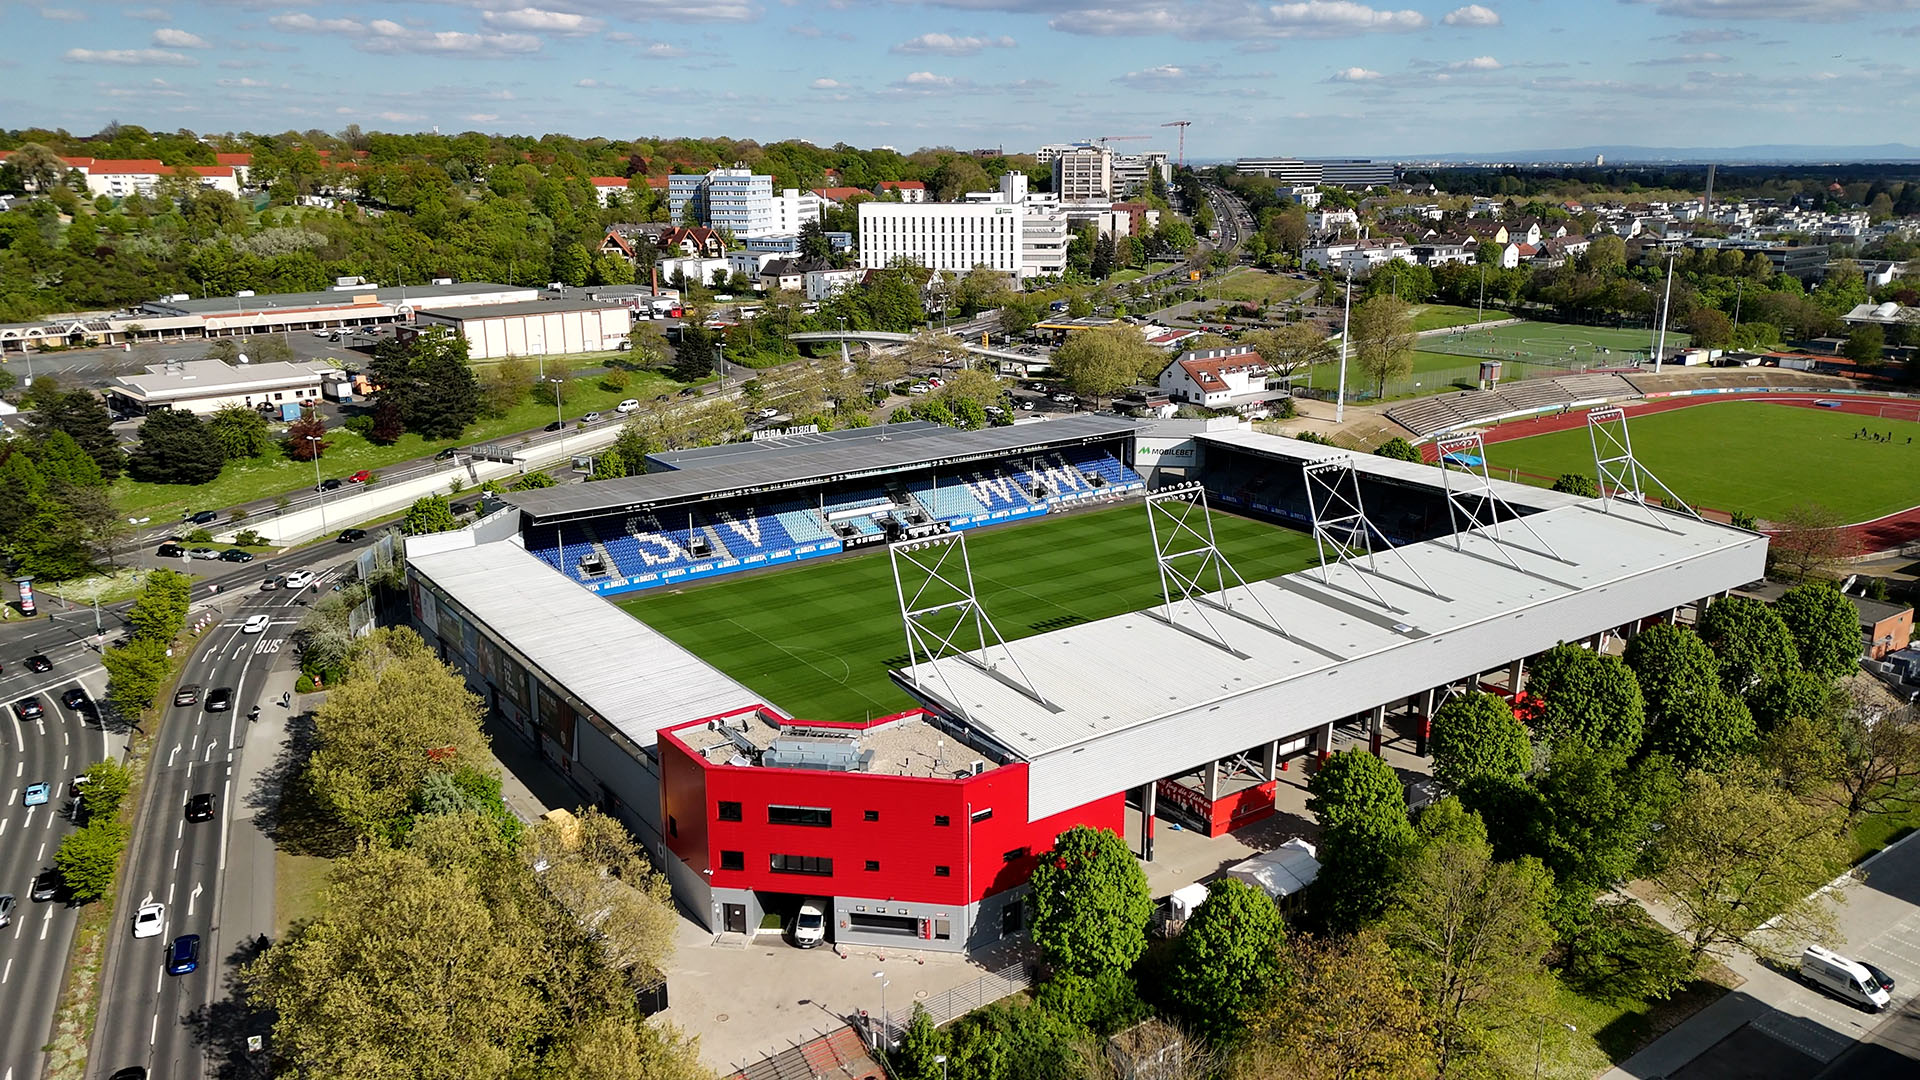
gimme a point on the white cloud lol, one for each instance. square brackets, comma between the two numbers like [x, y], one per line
[1805, 10]
[149, 14]
[1688, 58]
[1710, 37]
[593, 84]
[170, 38]
[949, 45]
[388, 37]
[1163, 76]
[1354, 74]
[243, 83]
[482, 117]
[1472, 15]
[155, 88]
[1213, 20]
[826, 84]
[1478, 63]
[927, 79]
[62, 14]
[539, 21]
[129, 57]
[398, 117]
[663, 50]
[302, 21]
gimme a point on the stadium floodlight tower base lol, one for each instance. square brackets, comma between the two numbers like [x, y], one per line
[1463, 455]
[1185, 554]
[933, 579]
[1619, 473]
[1340, 523]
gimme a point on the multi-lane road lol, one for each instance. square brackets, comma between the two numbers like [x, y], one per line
[149, 1017]
[53, 749]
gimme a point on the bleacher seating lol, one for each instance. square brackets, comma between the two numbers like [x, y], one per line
[1448, 412]
[1535, 394]
[1052, 475]
[801, 520]
[1106, 467]
[562, 550]
[750, 530]
[1589, 387]
[996, 490]
[946, 501]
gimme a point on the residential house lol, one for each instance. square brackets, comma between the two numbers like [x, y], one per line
[1326, 221]
[608, 188]
[785, 274]
[910, 191]
[699, 270]
[821, 284]
[1442, 250]
[691, 241]
[836, 197]
[1230, 378]
[1556, 250]
[241, 164]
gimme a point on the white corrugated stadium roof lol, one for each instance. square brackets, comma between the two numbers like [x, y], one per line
[623, 670]
[1131, 699]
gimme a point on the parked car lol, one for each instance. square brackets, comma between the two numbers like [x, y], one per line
[220, 699]
[187, 695]
[255, 624]
[360, 477]
[590, 418]
[39, 664]
[171, 551]
[627, 406]
[184, 957]
[46, 886]
[37, 794]
[204, 553]
[235, 555]
[75, 699]
[920, 388]
[200, 807]
[348, 536]
[810, 923]
[767, 414]
[149, 919]
[1062, 399]
[29, 708]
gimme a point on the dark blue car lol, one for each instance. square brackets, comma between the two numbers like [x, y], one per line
[184, 956]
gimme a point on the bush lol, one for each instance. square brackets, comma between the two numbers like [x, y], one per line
[303, 685]
[361, 425]
[199, 536]
[249, 538]
[615, 380]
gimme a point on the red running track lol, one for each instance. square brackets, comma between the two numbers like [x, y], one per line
[1881, 534]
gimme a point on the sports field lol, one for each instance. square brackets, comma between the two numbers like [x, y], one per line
[1754, 457]
[820, 638]
[1553, 344]
[1435, 316]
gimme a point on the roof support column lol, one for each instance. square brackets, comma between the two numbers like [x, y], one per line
[1514, 672]
[1426, 721]
[1149, 806]
[1270, 760]
[1379, 726]
[1323, 738]
[1210, 779]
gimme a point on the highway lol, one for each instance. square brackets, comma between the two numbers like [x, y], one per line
[53, 749]
[148, 1017]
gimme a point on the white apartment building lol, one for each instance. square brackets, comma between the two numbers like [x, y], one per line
[1004, 230]
[742, 202]
[1084, 174]
[821, 284]
[1305, 194]
[1326, 221]
[1133, 173]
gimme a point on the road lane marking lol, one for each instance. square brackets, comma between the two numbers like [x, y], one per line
[226, 815]
[8, 970]
[191, 897]
[19, 767]
[64, 758]
[28, 824]
[3, 824]
[176, 858]
[42, 854]
[211, 743]
[46, 921]
[153, 1032]
[173, 753]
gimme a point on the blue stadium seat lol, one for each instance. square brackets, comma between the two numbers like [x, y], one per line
[751, 530]
[947, 500]
[801, 521]
[995, 490]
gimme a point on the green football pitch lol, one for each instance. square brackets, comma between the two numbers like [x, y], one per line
[820, 638]
[1749, 456]
[1552, 344]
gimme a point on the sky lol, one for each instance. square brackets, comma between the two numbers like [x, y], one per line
[1317, 77]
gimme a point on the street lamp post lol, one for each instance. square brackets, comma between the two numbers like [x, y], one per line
[557, 418]
[1346, 332]
[315, 439]
[885, 1034]
[942, 1060]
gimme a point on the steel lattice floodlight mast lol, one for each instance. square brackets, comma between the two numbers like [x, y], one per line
[933, 580]
[1619, 473]
[1464, 454]
[1340, 522]
[1185, 555]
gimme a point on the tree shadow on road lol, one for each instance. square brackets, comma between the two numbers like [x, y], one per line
[222, 1028]
[282, 801]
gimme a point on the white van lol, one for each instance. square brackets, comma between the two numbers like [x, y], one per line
[1846, 979]
[810, 923]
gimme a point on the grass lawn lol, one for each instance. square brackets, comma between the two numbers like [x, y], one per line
[1435, 316]
[825, 635]
[1614, 1032]
[1445, 366]
[1556, 344]
[245, 481]
[298, 881]
[1254, 286]
[1123, 276]
[1876, 831]
[1756, 457]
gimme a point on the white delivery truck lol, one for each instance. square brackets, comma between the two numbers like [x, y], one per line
[1846, 979]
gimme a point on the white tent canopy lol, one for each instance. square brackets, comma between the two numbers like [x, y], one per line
[1281, 872]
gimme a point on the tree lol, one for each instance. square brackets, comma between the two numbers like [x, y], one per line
[1825, 627]
[1750, 642]
[533, 481]
[88, 858]
[1227, 958]
[1355, 786]
[1089, 903]
[387, 424]
[1591, 817]
[1577, 484]
[1383, 339]
[1344, 1013]
[306, 437]
[106, 789]
[649, 345]
[1398, 449]
[1795, 694]
[241, 432]
[430, 514]
[1689, 717]
[429, 382]
[1866, 345]
[1810, 540]
[1735, 854]
[175, 448]
[1472, 937]
[924, 1046]
[1709, 328]
[40, 169]
[1616, 953]
[695, 356]
[1476, 735]
[507, 383]
[1365, 836]
[1590, 698]
[1103, 360]
[83, 417]
[1877, 761]
[374, 734]
[134, 674]
[66, 467]
[1292, 348]
[160, 612]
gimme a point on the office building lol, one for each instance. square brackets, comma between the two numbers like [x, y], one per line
[1084, 174]
[741, 202]
[1133, 173]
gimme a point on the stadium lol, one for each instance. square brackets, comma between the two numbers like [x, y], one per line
[885, 668]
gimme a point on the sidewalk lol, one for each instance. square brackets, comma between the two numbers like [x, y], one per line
[245, 916]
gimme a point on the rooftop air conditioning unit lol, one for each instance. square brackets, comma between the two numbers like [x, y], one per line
[976, 767]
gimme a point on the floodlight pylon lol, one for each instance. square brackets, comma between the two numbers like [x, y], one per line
[1464, 453]
[1187, 557]
[1619, 473]
[933, 580]
[1340, 523]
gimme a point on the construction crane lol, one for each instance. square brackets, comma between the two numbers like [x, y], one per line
[1183, 125]
[1104, 139]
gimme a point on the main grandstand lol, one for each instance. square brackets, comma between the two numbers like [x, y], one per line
[923, 825]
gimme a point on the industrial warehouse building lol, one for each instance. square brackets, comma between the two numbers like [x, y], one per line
[534, 327]
[924, 826]
[206, 386]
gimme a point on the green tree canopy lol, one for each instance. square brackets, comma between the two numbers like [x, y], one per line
[430, 514]
[428, 382]
[1383, 339]
[1586, 697]
[1089, 903]
[1476, 735]
[1365, 836]
[1398, 449]
[1825, 627]
[1101, 361]
[1751, 643]
[1577, 484]
[1689, 718]
[88, 858]
[175, 448]
[241, 432]
[1227, 959]
[83, 416]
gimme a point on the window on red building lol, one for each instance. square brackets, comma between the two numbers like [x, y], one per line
[815, 865]
[873, 864]
[729, 811]
[816, 816]
[942, 871]
[870, 815]
[941, 821]
[733, 860]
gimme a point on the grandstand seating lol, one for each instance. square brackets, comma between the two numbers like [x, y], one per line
[801, 520]
[647, 545]
[1447, 412]
[750, 530]
[1106, 467]
[996, 490]
[562, 549]
[947, 501]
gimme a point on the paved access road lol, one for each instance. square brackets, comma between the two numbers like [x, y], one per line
[147, 1016]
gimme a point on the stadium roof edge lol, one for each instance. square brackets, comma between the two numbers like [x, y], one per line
[848, 460]
[1415, 472]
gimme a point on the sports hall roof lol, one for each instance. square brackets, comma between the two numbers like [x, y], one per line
[1131, 699]
[876, 455]
[699, 457]
[548, 621]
